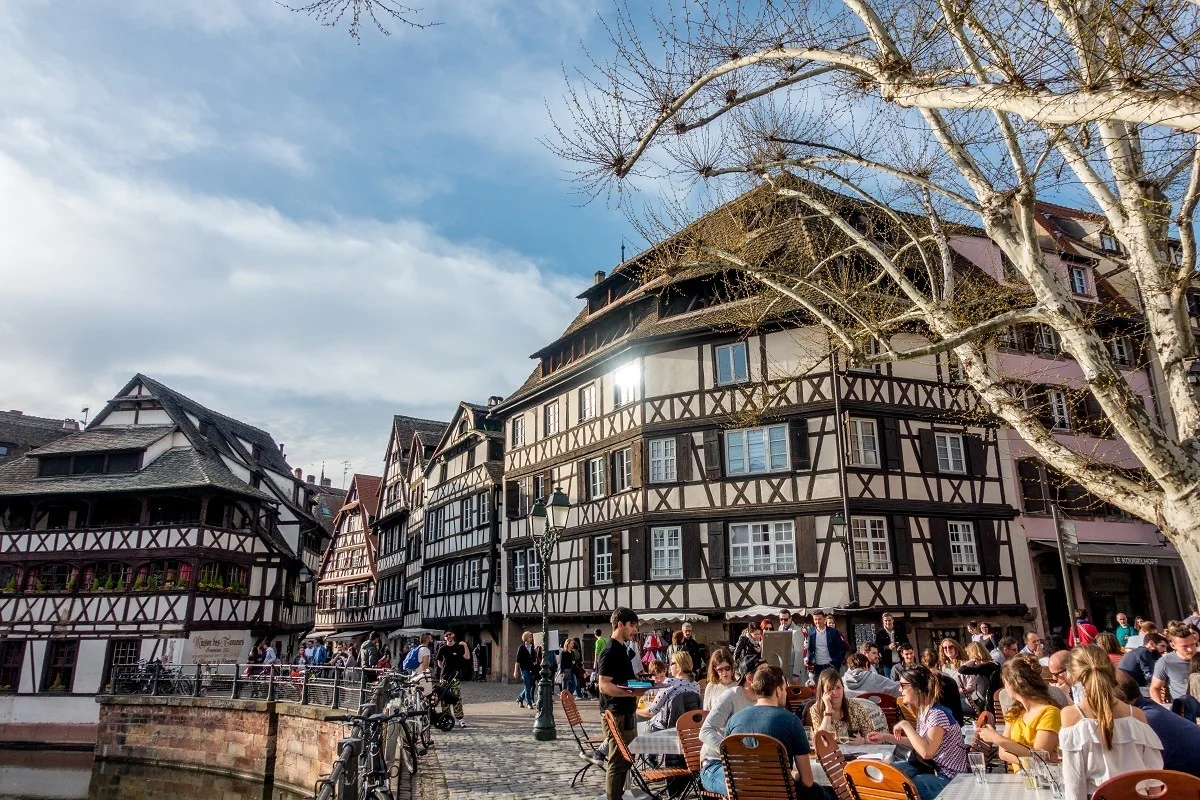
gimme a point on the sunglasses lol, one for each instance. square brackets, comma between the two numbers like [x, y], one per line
[904, 684]
[723, 668]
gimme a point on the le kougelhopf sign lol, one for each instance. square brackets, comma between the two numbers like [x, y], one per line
[213, 647]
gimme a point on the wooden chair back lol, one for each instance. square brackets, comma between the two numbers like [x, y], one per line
[1150, 783]
[886, 703]
[834, 763]
[610, 725]
[978, 745]
[875, 780]
[574, 718]
[796, 695]
[689, 737]
[703, 684]
[756, 768]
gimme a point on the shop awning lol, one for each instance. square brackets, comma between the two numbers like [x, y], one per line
[671, 616]
[402, 633]
[1125, 555]
[340, 635]
[760, 611]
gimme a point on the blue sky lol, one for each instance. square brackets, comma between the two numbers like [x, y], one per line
[299, 231]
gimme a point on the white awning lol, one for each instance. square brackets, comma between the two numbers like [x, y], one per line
[345, 635]
[671, 616]
[761, 611]
[402, 633]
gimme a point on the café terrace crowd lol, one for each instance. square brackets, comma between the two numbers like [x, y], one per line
[1093, 704]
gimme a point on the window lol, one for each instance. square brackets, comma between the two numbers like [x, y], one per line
[1008, 339]
[1045, 340]
[476, 568]
[962, 548]
[518, 570]
[440, 582]
[484, 508]
[864, 443]
[534, 580]
[518, 431]
[1119, 346]
[950, 452]
[468, 514]
[731, 363]
[539, 488]
[623, 469]
[60, 666]
[870, 544]
[666, 553]
[753, 450]
[602, 557]
[3, 450]
[456, 583]
[662, 460]
[1060, 413]
[550, 414]
[1079, 282]
[587, 402]
[595, 478]
[12, 653]
[954, 370]
[761, 547]
[52, 466]
[122, 654]
[1109, 242]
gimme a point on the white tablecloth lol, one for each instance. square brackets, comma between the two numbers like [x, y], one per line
[656, 742]
[999, 786]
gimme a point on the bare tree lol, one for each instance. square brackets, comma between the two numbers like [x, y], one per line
[331, 12]
[933, 114]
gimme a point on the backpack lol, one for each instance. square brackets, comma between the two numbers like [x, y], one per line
[412, 660]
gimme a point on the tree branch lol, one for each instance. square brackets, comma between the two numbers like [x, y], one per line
[1005, 320]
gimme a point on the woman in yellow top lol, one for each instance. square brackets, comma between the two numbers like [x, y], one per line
[1033, 717]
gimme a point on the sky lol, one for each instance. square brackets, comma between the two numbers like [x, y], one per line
[299, 231]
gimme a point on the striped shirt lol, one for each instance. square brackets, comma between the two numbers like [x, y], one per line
[951, 755]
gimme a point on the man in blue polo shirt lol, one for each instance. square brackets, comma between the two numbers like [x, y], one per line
[1180, 738]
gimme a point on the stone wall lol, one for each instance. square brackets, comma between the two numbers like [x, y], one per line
[288, 743]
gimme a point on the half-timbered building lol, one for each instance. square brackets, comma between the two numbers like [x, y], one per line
[163, 530]
[346, 582]
[459, 585]
[397, 608]
[705, 465]
[20, 432]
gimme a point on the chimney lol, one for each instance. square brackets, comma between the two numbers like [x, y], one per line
[299, 472]
[14, 411]
[327, 481]
[281, 448]
[599, 277]
[311, 479]
[494, 400]
[70, 425]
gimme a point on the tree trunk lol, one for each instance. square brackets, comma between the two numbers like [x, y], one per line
[1181, 525]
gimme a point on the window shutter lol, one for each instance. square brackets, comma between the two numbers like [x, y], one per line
[683, 456]
[1040, 403]
[929, 461]
[902, 548]
[989, 548]
[610, 479]
[512, 499]
[637, 553]
[892, 457]
[976, 455]
[614, 546]
[1027, 337]
[798, 428]
[581, 471]
[807, 559]
[589, 562]
[712, 454]
[716, 550]
[547, 483]
[939, 535]
[690, 541]
[637, 456]
[1095, 416]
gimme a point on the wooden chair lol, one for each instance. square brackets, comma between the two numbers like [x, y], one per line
[886, 703]
[703, 684]
[796, 695]
[834, 763]
[642, 778]
[589, 747]
[978, 745]
[689, 737]
[1165, 783]
[756, 768]
[875, 780]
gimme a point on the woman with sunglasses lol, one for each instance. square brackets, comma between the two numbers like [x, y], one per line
[935, 737]
[720, 678]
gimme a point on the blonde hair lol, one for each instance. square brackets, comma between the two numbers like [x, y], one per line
[1023, 677]
[656, 667]
[682, 660]
[1094, 671]
[952, 663]
[978, 652]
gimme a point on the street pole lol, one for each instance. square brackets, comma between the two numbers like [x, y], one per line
[1068, 584]
[543, 728]
[843, 483]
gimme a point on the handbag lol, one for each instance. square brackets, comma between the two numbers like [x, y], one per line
[924, 766]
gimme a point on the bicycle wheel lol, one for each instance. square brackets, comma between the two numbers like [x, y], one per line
[408, 748]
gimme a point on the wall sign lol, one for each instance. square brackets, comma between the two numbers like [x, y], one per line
[212, 647]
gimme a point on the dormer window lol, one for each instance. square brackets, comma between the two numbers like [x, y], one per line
[1109, 242]
[1079, 281]
[89, 464]
[462, 428]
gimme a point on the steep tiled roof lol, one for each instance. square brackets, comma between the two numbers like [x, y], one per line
[368, 492]
[407, 426]
[101, 440]
[22, 431]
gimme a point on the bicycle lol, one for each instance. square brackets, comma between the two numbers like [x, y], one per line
[416, 728]
[373, 772]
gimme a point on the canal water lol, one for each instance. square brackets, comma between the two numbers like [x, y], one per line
[60, 775]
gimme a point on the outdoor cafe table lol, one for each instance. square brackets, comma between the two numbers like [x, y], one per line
[999, 786]
[660, 743]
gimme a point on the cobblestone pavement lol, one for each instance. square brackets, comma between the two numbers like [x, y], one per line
[496, 757]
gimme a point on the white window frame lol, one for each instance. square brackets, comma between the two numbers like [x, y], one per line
[1119, 347]
[456, 580]
[770, 440]
[587, 402]
[1009, 340]
[468, 515]
[533, 563]
[964, 550]
[518, 431]
[1045, 339]
[951, 452]
[864, 442]
[1079, 280]
[484, 508]
[602, 559]
[623, 469]
[475, 567]
[663, 467]
[440, 580]
[872, 550]
[1109, 242]
[597, 485]
[550, 418]
[725, 356]
[762, 548]
[518, 570]
[1060, 409]
[666, 553]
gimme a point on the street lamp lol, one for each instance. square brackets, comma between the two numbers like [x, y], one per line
[547, 521]
[838, 523]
